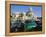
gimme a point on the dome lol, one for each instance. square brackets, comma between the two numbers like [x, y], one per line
[29, 9]
[29, 12]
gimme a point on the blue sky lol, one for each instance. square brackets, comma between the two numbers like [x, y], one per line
[20, 8]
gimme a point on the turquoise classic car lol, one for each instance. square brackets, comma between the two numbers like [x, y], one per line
[29, 25]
